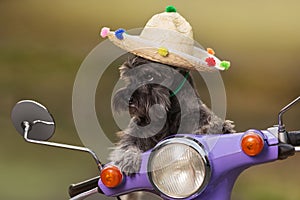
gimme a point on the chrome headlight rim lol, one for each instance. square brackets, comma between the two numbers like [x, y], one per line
[195, 145]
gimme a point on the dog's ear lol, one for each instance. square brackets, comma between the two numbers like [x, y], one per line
[120, 102]
[123, 70]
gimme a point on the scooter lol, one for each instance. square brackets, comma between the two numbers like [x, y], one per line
[184, 166]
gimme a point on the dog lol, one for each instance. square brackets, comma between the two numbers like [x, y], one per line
[156, 111]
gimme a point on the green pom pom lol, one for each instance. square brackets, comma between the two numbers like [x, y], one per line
[170, 9]
[225, 64]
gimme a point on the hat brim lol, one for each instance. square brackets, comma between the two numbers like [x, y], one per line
[149, 50]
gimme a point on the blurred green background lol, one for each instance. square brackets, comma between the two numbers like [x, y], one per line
[43, 43]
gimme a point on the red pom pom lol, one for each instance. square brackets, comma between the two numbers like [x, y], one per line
[210, 61]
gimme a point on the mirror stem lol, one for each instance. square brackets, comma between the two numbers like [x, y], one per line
[281, 128]
[27, 127]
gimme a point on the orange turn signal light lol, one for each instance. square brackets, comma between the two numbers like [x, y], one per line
[252, 144]
[111, 176]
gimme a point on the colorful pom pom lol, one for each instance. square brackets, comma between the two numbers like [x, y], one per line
[210, 51]
[225, 64]
[210, 61]
[119, 33]
[104, 32]
[170, 9]
[163, 51]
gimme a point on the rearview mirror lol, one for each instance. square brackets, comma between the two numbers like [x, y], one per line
[41, 122]
[34, 122]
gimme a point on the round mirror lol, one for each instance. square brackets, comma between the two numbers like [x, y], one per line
[42, 123]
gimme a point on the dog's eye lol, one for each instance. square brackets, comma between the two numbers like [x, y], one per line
[130, 101]
[148, 77]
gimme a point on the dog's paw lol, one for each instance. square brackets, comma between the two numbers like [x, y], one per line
[228, 127]
[129, 161]
[217, 126]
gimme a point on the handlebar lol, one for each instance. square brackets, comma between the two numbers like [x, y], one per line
[84, 186]
[294, 138]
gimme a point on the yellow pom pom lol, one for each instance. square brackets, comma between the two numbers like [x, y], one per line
[163, 51]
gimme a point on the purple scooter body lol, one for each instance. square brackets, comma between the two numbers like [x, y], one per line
[226, 159]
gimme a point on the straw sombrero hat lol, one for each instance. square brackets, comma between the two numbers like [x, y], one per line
[167, 38]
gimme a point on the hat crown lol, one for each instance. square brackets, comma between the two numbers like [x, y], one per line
[171, 21]
[169, 30]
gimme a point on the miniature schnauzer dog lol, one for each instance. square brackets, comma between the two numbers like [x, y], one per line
[162, 101]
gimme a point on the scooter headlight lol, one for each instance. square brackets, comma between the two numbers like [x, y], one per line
[179, 168]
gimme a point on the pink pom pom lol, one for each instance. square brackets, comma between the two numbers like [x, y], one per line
[104, 32]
